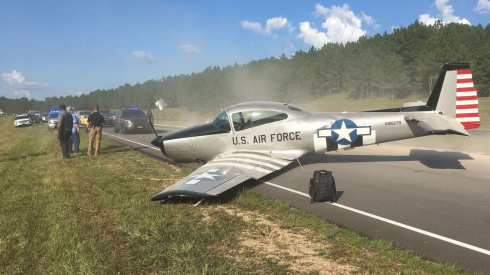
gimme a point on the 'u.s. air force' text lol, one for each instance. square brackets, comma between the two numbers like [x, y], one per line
[279, 137]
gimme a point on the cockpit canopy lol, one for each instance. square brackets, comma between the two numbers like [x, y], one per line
[222, 121]
[253, 114]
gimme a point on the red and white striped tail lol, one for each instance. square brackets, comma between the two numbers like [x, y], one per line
[466, 101]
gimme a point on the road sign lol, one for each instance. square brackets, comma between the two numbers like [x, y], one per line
[161, 104]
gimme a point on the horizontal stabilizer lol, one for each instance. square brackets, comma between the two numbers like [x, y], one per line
[435, 124]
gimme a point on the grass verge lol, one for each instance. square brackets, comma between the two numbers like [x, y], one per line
[92, 215]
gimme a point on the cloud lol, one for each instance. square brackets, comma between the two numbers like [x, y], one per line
[446, 12]
[483, 7]
[369, 20]
[341, 23]
[23, 93]
[79, 93]
[271, 25]
[16, 79]
[427, 20]
[254, 26]
[321, 10]
[312, 36]
[189, 48]
[144, 57]
[277, 23]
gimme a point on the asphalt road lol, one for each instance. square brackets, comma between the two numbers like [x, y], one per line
[421, 194]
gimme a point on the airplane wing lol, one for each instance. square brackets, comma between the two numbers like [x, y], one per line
[223, 173]
[437, 124]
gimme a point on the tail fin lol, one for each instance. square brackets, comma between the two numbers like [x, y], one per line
[454, 95]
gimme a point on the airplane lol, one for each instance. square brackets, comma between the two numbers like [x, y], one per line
[251, 140]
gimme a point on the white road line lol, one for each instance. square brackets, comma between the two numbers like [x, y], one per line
[132, 141]
[442, 238]
[170, 125]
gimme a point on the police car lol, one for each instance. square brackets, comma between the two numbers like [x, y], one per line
[131, 120]
[22, 120]
[53, 119]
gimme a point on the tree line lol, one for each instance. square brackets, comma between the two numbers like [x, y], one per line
[392, 65]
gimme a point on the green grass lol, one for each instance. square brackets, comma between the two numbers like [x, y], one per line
[92, 215]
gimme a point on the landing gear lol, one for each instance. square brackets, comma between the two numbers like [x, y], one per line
[322, 187]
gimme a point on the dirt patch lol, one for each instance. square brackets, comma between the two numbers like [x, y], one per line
[289, 247]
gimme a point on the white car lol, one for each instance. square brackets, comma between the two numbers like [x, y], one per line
[53, 120]
[23, 120]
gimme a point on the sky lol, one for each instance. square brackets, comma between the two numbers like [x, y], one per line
[60, 48]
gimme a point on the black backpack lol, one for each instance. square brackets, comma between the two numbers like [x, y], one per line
[322, 187]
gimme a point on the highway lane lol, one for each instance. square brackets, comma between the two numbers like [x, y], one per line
[433, 189]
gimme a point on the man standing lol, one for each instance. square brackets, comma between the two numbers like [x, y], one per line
[94, 123]
[75, 133]
[65, 124]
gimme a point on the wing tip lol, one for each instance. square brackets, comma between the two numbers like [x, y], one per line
[180, 193]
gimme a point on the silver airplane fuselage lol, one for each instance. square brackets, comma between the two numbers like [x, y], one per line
[301, 133]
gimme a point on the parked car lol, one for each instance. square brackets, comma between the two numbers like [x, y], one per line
[53, 120]
[23, 120]
[44, 117]
[82, 117]
[131, 120]
[108, 117]
[35, 116]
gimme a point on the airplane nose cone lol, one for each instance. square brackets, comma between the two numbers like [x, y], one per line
[158, 142]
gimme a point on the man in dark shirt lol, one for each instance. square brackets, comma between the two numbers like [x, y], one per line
[94, 123]
[65, 124]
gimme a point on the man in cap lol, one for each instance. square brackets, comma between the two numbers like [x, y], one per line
[65, 124]
[94, 123]
[75, 133]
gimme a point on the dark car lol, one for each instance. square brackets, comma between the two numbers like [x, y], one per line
[108, 117]
[35, 116]
[131, 120]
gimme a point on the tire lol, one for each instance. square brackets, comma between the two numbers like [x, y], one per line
[115, 129]
[124, 131]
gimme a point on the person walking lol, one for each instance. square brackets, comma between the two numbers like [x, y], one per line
[65, 124]
[75, 133]
[94, 123]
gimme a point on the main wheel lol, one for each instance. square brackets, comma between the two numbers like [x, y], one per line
[124, 130]
[115, 129]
